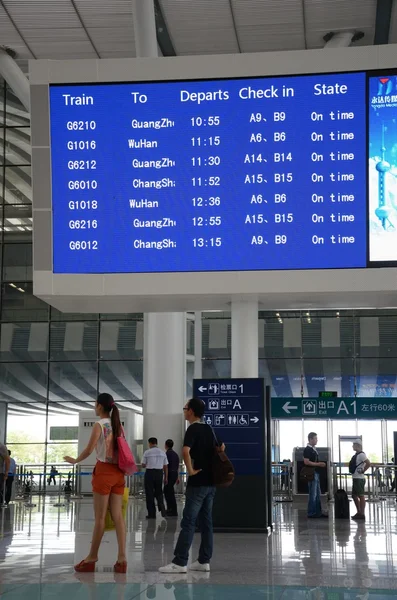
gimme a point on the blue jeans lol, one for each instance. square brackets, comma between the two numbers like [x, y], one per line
[198, 507]
[314, 506]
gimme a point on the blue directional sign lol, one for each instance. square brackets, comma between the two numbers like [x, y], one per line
[235, 410]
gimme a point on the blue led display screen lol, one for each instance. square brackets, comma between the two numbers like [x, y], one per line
[225, 175]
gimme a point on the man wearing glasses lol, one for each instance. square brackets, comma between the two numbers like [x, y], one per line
[198, 452]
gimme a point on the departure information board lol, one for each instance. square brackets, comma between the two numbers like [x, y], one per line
[215, 175]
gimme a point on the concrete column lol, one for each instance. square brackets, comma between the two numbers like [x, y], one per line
[164, 376]
[144, 28]
[244, 339]
[198, 345]
[3, 422]
[164, 353]
[15, 78]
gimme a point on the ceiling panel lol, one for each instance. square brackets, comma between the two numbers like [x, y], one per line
[270, 25]
[113, 39]
[102, 13]
[10, 37]
[200, 26]
[323, 16]
[41, 14]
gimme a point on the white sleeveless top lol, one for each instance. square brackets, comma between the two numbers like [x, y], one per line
[104, 449]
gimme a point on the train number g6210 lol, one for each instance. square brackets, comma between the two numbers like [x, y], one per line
[80, 125]
[83, 245]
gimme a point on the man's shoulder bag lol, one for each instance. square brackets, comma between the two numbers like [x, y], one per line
[307, 474]
[223, 472]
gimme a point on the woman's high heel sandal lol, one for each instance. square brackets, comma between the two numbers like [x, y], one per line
[120, 567]
[85, 567]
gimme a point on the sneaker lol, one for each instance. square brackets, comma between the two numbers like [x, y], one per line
[354, 517]
[360, 517]
[196, 566]
[172, 568]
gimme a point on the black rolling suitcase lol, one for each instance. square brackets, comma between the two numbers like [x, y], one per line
[342, 507]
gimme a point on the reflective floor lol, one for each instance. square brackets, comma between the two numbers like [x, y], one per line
[319, 560]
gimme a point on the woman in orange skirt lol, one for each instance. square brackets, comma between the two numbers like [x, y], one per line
[107, 482]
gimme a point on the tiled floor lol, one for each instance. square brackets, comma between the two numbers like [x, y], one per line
[319, 560]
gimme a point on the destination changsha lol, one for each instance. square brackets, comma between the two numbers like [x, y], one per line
[245, 93]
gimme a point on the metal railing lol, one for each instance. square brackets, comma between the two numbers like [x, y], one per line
[282, 475]
[380, 480]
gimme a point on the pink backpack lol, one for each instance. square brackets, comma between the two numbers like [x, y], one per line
[127, 462]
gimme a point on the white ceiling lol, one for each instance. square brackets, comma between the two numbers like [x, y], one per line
[104, 28]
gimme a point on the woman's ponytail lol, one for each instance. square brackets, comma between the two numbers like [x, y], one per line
[116, 424]
[109, 406]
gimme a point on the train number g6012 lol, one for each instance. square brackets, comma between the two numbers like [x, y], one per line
[83, 245]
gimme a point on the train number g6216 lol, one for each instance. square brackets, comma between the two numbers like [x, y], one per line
[83, 224]
[83, 245]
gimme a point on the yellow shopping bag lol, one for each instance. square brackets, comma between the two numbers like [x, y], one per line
[109, 525]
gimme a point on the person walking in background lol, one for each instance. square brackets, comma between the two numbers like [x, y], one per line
[53, 473]
[198, 451]
[310, 458]
[156, 464]
[173, 470]
[11, 476]
[4, 469]
[107, 482]
[358, 465]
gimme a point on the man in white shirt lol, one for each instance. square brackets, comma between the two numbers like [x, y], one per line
[156, 464]
[357, 467]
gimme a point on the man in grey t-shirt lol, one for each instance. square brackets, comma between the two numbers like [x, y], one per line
[4, 468]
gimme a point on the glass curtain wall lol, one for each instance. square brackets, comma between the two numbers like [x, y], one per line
[353, 353]
[302, 353]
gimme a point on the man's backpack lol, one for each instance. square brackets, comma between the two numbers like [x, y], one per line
[353, 464]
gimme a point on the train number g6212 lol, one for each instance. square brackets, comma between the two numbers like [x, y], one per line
[81, 164]
[83, 245]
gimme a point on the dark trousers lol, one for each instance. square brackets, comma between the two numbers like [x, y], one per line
[154, 490]
[198, 506]
[169, 493]
[1, 487]
[9, 483]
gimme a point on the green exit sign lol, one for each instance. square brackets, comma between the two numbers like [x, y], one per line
[328, 394]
